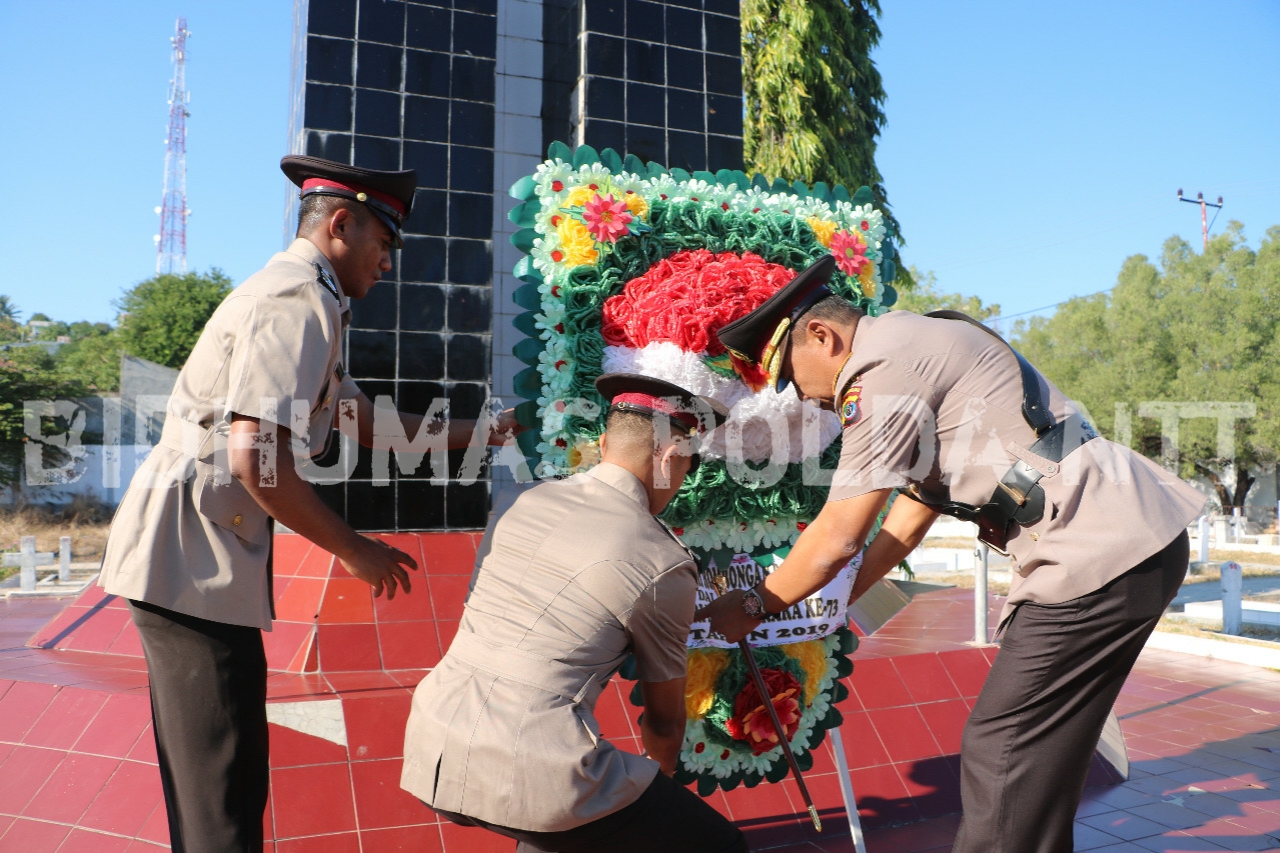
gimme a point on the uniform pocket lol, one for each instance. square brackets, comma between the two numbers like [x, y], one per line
[226, 503]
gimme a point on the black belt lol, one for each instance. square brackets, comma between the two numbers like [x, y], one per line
[1018, 497]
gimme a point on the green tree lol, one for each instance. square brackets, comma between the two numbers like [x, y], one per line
[85, 329]
[813, 95]
[922, 295]
[163, 316]
[8, 310]
[52, 332]
[1198, 328]
[28, 373]
[93, 361]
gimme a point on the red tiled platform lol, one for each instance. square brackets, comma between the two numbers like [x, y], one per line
[1204, 741]
[79, 762]
[78, 767]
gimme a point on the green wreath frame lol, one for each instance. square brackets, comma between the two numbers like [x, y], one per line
[566, 279]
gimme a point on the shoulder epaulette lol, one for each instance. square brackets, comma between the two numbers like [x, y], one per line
[326, 281]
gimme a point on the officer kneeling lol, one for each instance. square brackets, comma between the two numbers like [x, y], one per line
[943, 409]
[579, 574]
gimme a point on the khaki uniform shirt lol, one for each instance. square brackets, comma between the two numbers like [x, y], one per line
[187, 536]
[579, 574]
[939, 405]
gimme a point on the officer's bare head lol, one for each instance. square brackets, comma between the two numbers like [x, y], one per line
[820, 342]
[651, 446]
[355, 241]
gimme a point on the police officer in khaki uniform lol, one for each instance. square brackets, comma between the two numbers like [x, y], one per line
[943, 409]
[578, 575]
[190, 545]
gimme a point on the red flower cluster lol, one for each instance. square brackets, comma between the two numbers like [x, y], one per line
[686, 297]
[750, 720]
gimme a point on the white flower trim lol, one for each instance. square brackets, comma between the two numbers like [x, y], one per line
[744, 537]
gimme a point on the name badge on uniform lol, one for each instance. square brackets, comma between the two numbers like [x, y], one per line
[850, 406]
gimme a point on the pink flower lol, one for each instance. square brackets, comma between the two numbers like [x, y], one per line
[606, 218]
[849, 251]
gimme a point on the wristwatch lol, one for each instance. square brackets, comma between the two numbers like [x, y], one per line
[753, 604]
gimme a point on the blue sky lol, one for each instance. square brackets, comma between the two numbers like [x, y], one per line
[84, 124]
[1030, 147]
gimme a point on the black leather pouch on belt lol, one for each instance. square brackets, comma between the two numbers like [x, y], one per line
[1019, 497]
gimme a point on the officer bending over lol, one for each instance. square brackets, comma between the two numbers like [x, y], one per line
[944, 409]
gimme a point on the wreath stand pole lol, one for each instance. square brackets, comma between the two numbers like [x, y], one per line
[846, 789]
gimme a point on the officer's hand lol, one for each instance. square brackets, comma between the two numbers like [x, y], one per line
[379, 565]
[505, 427]
[727, 616]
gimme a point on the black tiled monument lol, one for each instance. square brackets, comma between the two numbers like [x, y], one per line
[470, 93]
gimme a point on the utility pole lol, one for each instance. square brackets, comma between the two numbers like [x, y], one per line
[1204, 219]
[171, 242]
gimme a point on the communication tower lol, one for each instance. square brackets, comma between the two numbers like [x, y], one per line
[171, 242]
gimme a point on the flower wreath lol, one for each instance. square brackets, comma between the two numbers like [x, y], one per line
[631, 267]
[729, 738]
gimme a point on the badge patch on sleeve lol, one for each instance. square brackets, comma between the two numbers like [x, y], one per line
[850, 406]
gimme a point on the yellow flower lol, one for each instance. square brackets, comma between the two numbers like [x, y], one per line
[868, 280]
[705, 666]
[636, 204]
[576, 243]
[812, 656]
[579, 196]
[584, 453]
[822, 229]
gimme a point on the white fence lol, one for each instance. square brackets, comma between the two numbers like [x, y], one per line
[28, 559]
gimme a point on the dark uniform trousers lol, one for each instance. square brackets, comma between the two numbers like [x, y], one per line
[208, 707]
[1032, 734]
[667, 817]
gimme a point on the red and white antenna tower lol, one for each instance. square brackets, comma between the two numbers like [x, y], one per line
[171, 242]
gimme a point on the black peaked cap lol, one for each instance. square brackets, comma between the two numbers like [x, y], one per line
[398, 185]
[748, 335]
[611, 385]
[362, 185]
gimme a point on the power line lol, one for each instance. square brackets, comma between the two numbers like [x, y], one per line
[1047, 307]
[1215, 219]
[1206, 227]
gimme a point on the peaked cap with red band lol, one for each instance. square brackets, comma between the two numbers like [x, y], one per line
[763, 337]
[634, 392]
[388, 194]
